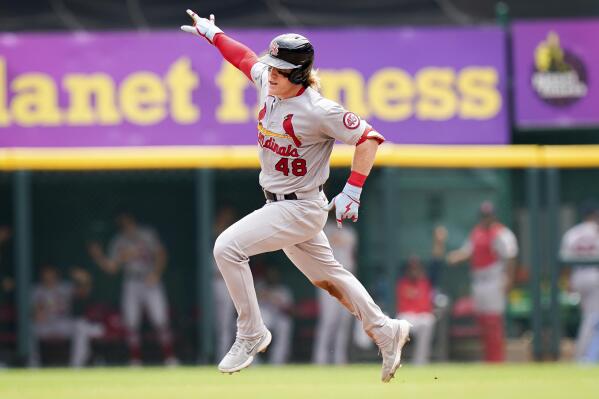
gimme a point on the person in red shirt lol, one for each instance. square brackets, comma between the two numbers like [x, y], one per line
[491, 248]
[415, 304]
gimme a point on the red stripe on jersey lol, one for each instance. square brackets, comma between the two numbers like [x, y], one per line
[365, 137]
[299, 93]
[262, 113]
[288, 127]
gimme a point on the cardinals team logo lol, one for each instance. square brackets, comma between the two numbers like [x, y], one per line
[351, 120]
[274, 49]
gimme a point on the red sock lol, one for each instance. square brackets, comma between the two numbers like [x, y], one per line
[492, 335]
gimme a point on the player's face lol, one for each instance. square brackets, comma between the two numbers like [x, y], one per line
[279, 84]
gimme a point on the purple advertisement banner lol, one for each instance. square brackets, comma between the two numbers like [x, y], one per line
[556, 67]
[415, 86]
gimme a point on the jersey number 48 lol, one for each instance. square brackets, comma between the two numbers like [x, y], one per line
[298, 166]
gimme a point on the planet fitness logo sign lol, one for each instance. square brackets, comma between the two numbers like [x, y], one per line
[559, 77]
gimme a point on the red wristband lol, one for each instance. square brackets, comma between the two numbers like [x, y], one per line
[357, 179]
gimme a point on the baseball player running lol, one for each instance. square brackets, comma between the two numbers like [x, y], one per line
[297, 128]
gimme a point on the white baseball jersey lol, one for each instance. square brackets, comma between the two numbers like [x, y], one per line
[138, 250]
[296, 136]
[581, 242]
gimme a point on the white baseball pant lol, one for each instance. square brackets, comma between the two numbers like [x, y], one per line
[296, 227]
[423, 328]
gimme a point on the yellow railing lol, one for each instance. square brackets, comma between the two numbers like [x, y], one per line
[231, 157]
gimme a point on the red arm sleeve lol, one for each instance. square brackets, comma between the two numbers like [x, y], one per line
[240, 56]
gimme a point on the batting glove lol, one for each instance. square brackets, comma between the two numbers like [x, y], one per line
[202, 27]
[346, 204]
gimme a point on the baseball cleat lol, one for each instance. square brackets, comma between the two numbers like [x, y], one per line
[392, 350]
[242, 353]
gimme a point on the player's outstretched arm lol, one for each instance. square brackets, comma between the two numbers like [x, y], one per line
[346, 204]
[236, 53]
[99, 257]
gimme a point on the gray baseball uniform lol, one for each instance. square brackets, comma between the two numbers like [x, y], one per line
[296, 137]
[55, 304]
[488, 283]
[581, 243]
[140, 250]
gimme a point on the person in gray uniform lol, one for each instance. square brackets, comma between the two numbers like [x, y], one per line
[297, 129]
[581, 244]
[139, 253]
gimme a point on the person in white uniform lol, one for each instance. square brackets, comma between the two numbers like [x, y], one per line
[334, 322]
[581, 244]
[297, 129]
[138, 251]
[52, 318]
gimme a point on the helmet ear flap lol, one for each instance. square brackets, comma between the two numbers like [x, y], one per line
[296, 76]
[300, 75]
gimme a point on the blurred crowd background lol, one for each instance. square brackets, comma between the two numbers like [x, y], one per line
[113, 267]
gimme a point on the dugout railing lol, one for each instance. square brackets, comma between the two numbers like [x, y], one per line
[542, 167]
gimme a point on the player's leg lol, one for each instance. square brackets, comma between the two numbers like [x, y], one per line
[315, 259]
[282, 330]
[489, 304]
[83, 332]
[156, 306]
[267, 229]
[131, 305]
[424, 324]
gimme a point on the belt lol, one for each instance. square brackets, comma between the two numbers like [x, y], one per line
[280, 197]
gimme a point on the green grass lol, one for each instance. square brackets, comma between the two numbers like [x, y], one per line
[563, 381]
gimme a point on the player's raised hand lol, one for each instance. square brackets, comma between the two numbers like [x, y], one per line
[346, 204]
[202, 27]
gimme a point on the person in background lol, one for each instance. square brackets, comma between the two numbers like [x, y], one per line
[82, 301]
[334, 322]
[415, 296]
[52, 318]
[276, 304]
[492, 249]
[138, 251]
[581, 244]
[415, 304]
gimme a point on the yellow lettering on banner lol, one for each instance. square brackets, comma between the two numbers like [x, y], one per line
[4, 114]
[349, 82]
[390, 92]
[35, 102]
[91, 100]
[232, 84]
[480, 97]
[437, 98]
[181, 81]
[142, 98]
